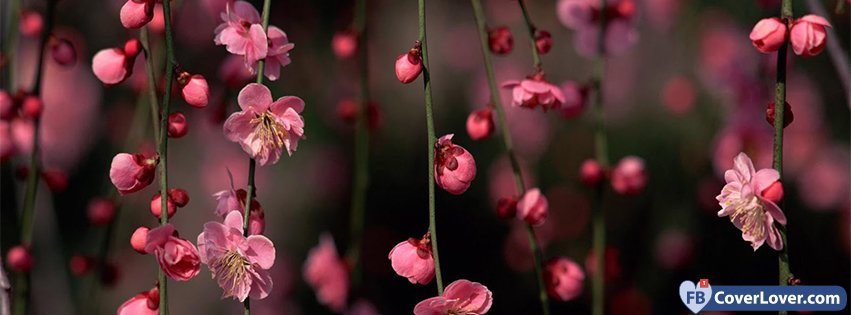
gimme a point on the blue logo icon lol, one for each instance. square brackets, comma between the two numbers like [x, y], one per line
[695, 297]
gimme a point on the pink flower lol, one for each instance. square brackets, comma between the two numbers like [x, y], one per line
[234, 200]
[533, 207]
[241, 32]
[409, 65]
[263, 128]
[583, 17]
[278, 55]
[808, 36]
[768, 35]
[480, 124]
[460, 297]
[239, 264]
[144, 303]
[327, 274]
[629, 177]
[412, 259]
[564, 278]
[177, 125]
[132, 172]
[742, 200]
[194, 89]
[534, 91]
[454, 166]
[113, 65]
[177, 257]
[137, 13]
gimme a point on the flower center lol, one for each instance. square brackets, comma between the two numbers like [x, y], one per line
[232, 268]
[751, 214]
[270, 132]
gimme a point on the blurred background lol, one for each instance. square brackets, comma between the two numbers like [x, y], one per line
[687, 97]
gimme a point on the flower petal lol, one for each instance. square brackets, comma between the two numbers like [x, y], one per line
[260, 251]
[254, 97]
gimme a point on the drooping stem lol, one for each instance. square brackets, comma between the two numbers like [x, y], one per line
[360, 180]
[250, 189]
[506, 137]
[162, 142]
[530, 27]
[598, 285]
[28, 212]
[432, 219]
[784, 272]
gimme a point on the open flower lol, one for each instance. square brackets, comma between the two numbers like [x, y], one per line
[534, 91]
[239, 264]
[742, 199]
[241, 32]
[278, 55]
[412, 259]
[177, 257]
[234, 200]
[327, 274]
[454, 166]
[460, 297]
[263, 128]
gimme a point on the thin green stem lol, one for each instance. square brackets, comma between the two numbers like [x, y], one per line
[784, 272]
[360, 180]
[162, 143]
[601, 149]
[495, 101]
[13, 8]
[28, 212]
[251, 188]
[152, 83]
[530, 27]
[432, 218]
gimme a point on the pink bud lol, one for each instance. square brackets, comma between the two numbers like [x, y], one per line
[156, 206]
[773, 192]
[31, 107]
[591, 173]
[139, 239]
[7, 105]
[31, 23]
[533, 207]
[808, 35]
[111, 66]
[256, 221]
[506, 207]
[101, 211]
[500, 40]
[153, 298]
[195, 92]
[768, 35]
[575, 99]
[543, 42]
[19, 259]
[177, 125]
[80, 265]
[480, 124]
[132, 48]
[63, 52]
[413, 259]
[136, 14]
[409, 65]
[454, 166]
[564, 278]
[179, 196]
[629, 177]
[344, 44]
[131, 172]
[788, 116]
[56, 180]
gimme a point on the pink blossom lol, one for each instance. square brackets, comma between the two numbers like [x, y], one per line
[454, 166]
[629, 177]
[139, 238]
[808, 35]
[535, 91]
[195, 90]
[460, 297]
[533, 207]
[239, 264]
[131, 172]
[113, 65]
[137, 13]
[234, 200]
[327, 274]
[768, 35]
[241, 32]
[412, 259]
[480, 124]
[263, 127]
[278, 55]
[144, 303]
[177, 125]
[564, 278]
[177, 257]
[742, 200]
[409, 65]
[583, 17]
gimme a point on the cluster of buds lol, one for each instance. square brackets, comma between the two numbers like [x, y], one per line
[807, 34]
[177, 198]
[628, 177]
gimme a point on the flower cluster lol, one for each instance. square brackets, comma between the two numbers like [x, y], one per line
[242, 33]
[583, 17]
[806, 34]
